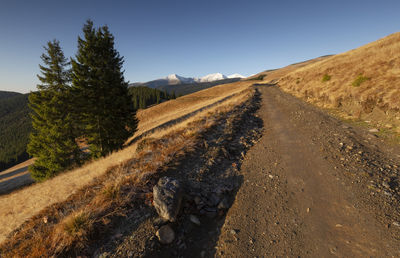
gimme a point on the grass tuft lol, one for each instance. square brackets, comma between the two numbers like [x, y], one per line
[360, 79]
[111, 192]
[326, 78]
[143, 144]
[78, 225]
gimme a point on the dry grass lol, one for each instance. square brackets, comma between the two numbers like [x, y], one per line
[272, 76]
[364, 83]
[19, 207]
[66, 227]
[164, 112]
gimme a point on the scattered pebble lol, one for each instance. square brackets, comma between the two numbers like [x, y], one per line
[165, 234]
[197, 200]
[194, 220]
[223, 205]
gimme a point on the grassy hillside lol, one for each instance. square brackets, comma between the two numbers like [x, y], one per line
[19, 206]
[184, 89]
[15, 126]
[363, 83]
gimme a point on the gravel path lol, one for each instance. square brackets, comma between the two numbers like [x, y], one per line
[314, 187]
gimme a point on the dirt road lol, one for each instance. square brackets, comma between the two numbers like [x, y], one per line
[313, 187]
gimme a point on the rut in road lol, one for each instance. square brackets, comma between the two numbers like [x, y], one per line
[313, 186]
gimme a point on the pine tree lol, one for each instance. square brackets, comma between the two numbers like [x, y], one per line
[52, 141]
[105, 109]
[158, 97]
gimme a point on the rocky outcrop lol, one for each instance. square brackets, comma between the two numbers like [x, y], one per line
[167, 198]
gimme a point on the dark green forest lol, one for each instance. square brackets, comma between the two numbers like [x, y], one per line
[15, 126]
[8, 94]
[144, 97]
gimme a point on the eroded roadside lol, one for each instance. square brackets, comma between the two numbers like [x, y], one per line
[210, 176]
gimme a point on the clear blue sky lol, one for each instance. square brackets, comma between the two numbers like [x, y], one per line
[190, 38]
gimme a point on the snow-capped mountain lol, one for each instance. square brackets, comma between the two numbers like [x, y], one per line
[211, 77]
[174, 79]
[236, 75]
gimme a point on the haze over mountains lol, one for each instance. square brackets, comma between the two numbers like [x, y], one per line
[174, 79]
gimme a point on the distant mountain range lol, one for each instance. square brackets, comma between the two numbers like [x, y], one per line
[174, 79]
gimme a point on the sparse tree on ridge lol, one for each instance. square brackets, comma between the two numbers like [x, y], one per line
[105, 109]
[52, 141]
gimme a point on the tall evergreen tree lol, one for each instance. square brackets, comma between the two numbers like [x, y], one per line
[106, 111]
[52, 141]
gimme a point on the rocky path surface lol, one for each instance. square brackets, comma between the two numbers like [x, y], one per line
[313, 187]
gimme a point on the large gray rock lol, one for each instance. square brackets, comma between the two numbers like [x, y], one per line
[167, 198]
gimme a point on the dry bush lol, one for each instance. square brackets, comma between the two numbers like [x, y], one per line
[73, 229]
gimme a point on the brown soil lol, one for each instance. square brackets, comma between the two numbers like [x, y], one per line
[315, 187]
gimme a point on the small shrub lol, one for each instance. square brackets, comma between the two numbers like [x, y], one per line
[144, 143]
[78, 225]
[297, 80]
[360, 79]
[112, 192]
[326, 78]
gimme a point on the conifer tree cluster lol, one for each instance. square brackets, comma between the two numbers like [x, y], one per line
[106, 113]
[89, 99]
[143, 97]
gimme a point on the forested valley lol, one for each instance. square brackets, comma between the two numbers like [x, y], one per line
[15, 126]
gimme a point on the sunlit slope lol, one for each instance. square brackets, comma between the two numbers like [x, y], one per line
[363, 82]
[17, 207]
[173, 109]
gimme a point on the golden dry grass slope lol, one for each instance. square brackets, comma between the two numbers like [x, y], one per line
[364, 83]
[19, 206]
